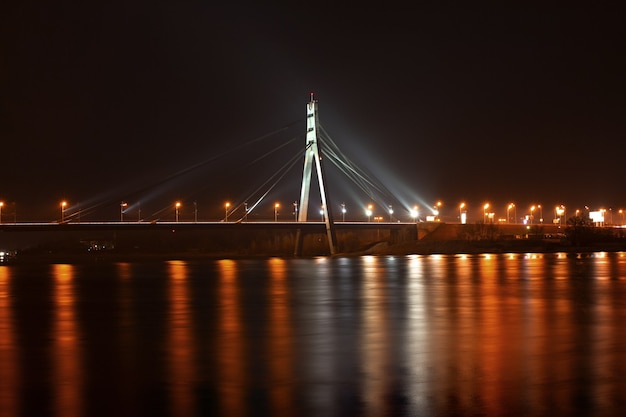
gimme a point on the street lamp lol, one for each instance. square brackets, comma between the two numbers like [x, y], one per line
[63, 205]
[177, 207]
[390, 213]
[461, 217]
[123, 205]
[559, 211]
[343, 212]
[226, 206]
[1, 205]
[621, 212]
[438, 205]
[276, 212]
[485, 207]
[322, 213]
[415, 213]
[245, 211]
[532, 210]
[540, 213]
[368, 212]
[508, 210]
[295, 210]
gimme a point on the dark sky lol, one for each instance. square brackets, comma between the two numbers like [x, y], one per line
[108, 101]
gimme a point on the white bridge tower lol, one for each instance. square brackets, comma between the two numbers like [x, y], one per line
[312, 155]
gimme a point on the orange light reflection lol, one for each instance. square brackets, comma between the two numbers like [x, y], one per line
[9, 373]
[180, 344]
[230, 351]
[281, 355]
[67, 352]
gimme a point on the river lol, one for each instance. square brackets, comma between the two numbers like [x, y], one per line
[437, 335]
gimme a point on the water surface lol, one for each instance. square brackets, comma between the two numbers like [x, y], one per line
[518, 335]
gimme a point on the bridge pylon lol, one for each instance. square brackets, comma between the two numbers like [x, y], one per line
[311, 157]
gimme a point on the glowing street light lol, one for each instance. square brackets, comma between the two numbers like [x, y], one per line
[343, 212]
[437, 208]
[415, 213]
[390, 213]
[461, 216]
[322, 213]
[485, 207]
[276, 212]
[532, 210]
[559, 211]
[621, 212]
[63, 205]
[177, 207]
[226, 206]
[368, 212]
[540, 213]
[295, 210]
[123, 205]
[508, 215]
[1, 205]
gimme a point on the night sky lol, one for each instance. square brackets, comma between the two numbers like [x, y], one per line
[115, 101]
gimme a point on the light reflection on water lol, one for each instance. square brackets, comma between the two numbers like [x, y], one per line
[485, 334]
[67, 378]
[9, 359]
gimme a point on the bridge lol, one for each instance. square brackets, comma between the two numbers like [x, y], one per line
[317, 144]
[210, 238]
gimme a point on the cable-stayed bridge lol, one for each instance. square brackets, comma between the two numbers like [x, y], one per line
[309, 214]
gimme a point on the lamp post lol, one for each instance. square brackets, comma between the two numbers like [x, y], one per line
[226, 206]
[63, 205]
[559, 212]
[343, 212]
[1, 205]
[276, 212]
[245, 211]
[390, 213]
[123, 205]
[461, 218]
[177, 207]
[368, 213]
[485, 207]
[540, 213]
[295, 210]
[508, 215]
[621, 213]
[532, 210]
[415, 213]
[438, 205]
